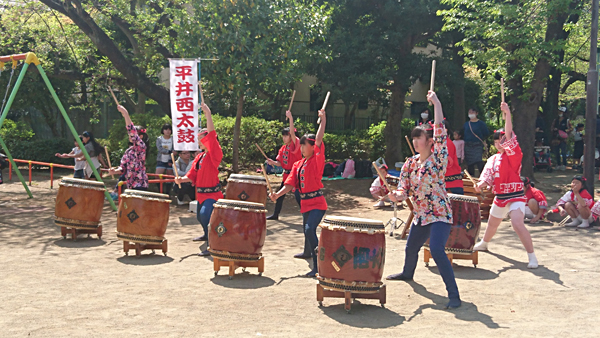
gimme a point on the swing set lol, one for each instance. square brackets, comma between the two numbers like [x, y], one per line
[28, 59]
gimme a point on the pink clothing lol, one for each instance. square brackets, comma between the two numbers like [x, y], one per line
[460, 149]
[133, 162]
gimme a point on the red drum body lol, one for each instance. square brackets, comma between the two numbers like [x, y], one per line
[237, 230]
[143, 217]
[466, 224]
[247, 188]
[351, 254]
[79, 203]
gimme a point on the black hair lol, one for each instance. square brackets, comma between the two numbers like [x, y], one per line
[525, 180]
[165, 127]
[582, 180]
[286, 131]
[447, 126]
[80, 138]
[142, 134]
[580, 125]
[461, 133]
[308, 139]
[425, 110]
[475, 109]
[498, 134]
[425, 129]
[98, 149]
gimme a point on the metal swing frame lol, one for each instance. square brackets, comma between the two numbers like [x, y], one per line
[28, 59]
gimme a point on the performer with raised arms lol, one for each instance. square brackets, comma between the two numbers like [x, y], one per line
[502, 171]
[204, 174]
[289, 153]
[422, 178]
[306, 176]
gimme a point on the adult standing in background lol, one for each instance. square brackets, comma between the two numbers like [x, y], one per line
[476, 131]
[424, 117]
[561, 127]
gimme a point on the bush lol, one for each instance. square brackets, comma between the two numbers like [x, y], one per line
[43, 150]
[15, 132]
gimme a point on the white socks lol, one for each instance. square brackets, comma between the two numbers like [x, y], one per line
[481, 246]
[585, 223]
[575, 222]
[533, 263]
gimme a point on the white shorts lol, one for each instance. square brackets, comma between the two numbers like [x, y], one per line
[528, 213]
[501, 212]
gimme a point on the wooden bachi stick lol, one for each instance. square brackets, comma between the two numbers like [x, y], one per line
[113, 95]
[175, 169]
[432, 76]
[291, 102]
[261, 151]
[262, 166]
[410, 145]
[324, 105]
[108, 159]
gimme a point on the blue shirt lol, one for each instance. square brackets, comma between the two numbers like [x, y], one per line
[479, 128]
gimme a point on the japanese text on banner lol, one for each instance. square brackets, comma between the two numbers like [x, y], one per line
[184, 104]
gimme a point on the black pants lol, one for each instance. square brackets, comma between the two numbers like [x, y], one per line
[279, 203]
[186, 189]
[471, 168]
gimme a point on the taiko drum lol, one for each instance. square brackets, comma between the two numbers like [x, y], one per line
[237, 230]
[143, 216]
[351, 254]
[248, 188]
[466, 223]
[79, 203]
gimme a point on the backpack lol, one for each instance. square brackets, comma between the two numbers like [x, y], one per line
[328, 170]
[340, 169]
[363, 169]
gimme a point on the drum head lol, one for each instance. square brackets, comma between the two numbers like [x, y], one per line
[247, 177]
[146, 195]
[233, 204]
[463, 198]
[352, 222]
[77, 182]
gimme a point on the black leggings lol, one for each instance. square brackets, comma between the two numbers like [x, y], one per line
[471, 168]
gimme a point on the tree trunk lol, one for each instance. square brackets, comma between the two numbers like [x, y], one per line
[236, 134]
[393, 129]
[106, 46]
[349, 116]
[458, 92]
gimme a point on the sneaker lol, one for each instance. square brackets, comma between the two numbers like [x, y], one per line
[273, 217]
[200, 239]
[302, 256]
[180, 202]
[533, 262]
[453, 304]
[379, 204]
[114, 196]
[312, 273]
[398, 276]
[204, 253]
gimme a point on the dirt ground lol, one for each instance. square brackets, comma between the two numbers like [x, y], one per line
[56, 287]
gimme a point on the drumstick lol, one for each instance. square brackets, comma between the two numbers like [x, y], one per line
[409, 145]
[381, 177]
[175, 168]
[108, 159]
[324, 105]
[262, 166]
[262, 152]
[432, 75]
[502, 94]
[201, 94]
[470, 178]
[291, 102]
[113, 95]
[564, 221]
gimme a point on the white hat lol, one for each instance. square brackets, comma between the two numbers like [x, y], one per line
[563, 109]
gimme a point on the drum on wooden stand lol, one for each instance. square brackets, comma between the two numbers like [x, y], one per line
[237, 234]
[351, 256]
[465, 229]
[248, 188]
[79, 206]
[393, 181]
[142, 220]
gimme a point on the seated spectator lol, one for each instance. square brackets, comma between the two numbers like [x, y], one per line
[378, 189]
[577, 203]
[184, 164]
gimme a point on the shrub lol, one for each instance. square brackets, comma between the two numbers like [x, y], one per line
[15, 132]
[43, 150]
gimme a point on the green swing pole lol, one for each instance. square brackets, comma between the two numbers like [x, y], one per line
[73, 131]
[3, 117]
[10, 158]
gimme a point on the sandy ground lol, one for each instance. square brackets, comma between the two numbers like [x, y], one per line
[55, 287]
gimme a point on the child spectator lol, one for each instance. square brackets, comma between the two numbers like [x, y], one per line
[76, 154]
[378, 189]
[578, 149]
[459, 143]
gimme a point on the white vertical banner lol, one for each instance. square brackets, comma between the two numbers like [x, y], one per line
[183, 76]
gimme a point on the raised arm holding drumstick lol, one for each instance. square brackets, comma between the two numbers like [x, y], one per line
[306, 176]
[502, 171]
[422, 178]
[204, 174]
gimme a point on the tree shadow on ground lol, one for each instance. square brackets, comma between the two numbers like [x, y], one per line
[541, 271]
[370, 315]
[243, 280]
[467, 312]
